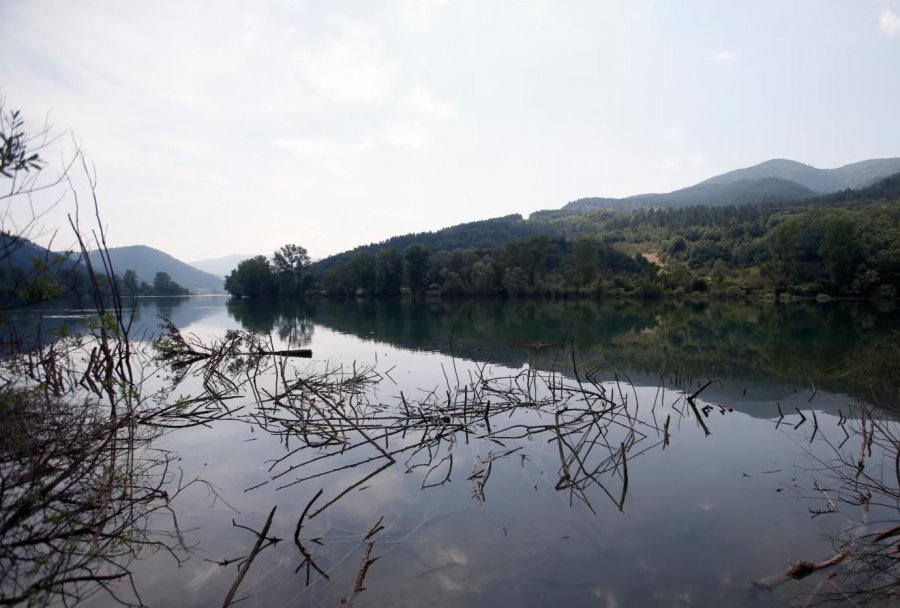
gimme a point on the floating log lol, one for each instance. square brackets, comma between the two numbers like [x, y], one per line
[303, 353]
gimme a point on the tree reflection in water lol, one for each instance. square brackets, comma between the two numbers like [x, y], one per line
[596, 430]
[83, 489]
[330, 416]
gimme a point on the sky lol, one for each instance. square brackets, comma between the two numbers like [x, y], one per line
[230, 126]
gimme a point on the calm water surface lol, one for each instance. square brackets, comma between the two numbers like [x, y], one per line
[515, 508]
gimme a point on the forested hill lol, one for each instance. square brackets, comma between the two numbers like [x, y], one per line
[822, 181]
[777, 179]
[147, 261]
[500, 230]
[707, 193]
[31, 273]
[483, 233]
[846, 243]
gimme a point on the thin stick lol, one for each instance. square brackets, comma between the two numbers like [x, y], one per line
[624, 477]
[256, 548]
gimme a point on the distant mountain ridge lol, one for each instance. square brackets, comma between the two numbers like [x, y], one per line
[823, 181]
[777, 179]
[733, 188]
[750, 190]
[222, 266]
[147, 261]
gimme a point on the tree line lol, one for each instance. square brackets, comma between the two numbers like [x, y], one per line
[162, 285]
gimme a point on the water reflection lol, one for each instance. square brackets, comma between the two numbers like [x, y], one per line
[841, 347]
[290, 320]
[852, 484]
[25, 328]
[81, 480]
[339, 434]
[526, 469]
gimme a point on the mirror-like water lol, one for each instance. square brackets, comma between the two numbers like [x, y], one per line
[524, 452]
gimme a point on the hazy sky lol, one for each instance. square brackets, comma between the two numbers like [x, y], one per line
[227, 126]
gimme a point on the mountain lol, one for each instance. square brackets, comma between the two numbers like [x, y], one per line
[223, 266]
[147, 261]
[867, 172]
[746, 197]
[823, 181]
[29, 273]
[773, 180]
[482, 233]
[818, 180]
[750, 190]
[19, 252]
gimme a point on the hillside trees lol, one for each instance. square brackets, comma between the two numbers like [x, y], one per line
[388, 272]
[289, 267]
[585, 261]
[362, 272]
[30, 273]
[253, 277]
[286, 274]
[416, 258]
[845, 244]
[163, 285]
[131, 285]
[840, 249]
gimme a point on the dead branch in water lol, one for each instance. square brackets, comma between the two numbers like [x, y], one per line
[308, 560]
[261, 538]
[368, 560]
[798, 570]
[865, 568]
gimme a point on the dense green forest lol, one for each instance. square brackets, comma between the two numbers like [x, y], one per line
[845, 244]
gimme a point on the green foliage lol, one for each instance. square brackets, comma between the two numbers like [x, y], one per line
[15, 152]
[840, 248]
[388, 272]
[515, 281]
[287, 274]
[163, 285]
[252, 277]
[130, 284]
[415, 266]
[289, 266]
[362, 272]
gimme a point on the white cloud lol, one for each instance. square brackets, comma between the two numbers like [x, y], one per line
[184, 145]
[890, 22]
[405, 136]
[352, 66]
[420, 14]
[303, 108]
[698, 160]
[320, 146]
[667, 164]
[328, 154]
[422, 101]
